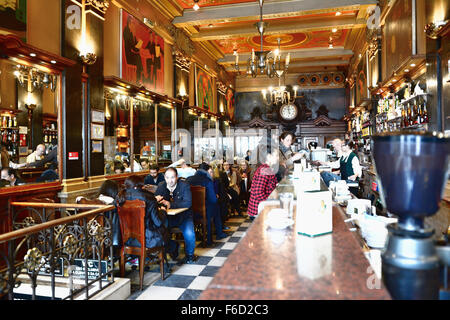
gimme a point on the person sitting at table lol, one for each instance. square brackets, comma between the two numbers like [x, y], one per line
[11, 175]
[333, 176]
[6, 159]
[107, 194]
[156, 224]
[51, 158]
[174, 194]
[119, 168]
[145, 164]
[246, 182]
[220, 180]
[233, 188]
[185, 171]
[48, 175]
[37, 155]
[155, 177]
[263, 183]
[203, 177]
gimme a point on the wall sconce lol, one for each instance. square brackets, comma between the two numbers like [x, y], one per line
[432, 29]
[88, 58]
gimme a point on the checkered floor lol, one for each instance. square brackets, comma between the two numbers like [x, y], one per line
[187, 281]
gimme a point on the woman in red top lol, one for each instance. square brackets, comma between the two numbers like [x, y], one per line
[263, 183]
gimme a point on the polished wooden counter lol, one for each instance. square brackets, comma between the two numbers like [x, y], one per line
[281, 265]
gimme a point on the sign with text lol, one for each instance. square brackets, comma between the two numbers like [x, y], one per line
[45, 270]
[93, 269]
[73, 156]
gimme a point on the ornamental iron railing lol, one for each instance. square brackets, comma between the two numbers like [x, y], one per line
[56, 251]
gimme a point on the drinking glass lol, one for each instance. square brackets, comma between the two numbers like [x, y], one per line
[287, 202]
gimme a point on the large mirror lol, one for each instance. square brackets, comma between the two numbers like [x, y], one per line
[29, 104]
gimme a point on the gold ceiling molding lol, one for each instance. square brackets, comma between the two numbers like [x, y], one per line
[167, 8]
[180, 22]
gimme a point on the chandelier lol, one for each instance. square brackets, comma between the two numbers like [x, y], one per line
[279, 95]
[33, 79]
[264, 62]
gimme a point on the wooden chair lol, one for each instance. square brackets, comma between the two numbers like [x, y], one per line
[199, 210]
[132, 225]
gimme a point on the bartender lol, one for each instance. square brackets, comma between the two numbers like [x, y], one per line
[287, 156]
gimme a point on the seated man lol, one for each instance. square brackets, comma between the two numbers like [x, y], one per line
[155, 177]
[36, 155]
[10, 175]
[145, 164]
[175, 194]
[203, 177]
[51, 158]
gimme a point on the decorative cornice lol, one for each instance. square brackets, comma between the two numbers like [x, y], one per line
[182, 61]
[96, 7]
[182, 42]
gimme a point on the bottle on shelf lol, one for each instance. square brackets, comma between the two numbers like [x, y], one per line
[15, 122]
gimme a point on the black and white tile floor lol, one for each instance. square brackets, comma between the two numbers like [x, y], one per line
[187, 281]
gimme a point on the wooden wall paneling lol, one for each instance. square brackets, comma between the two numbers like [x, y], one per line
[73, 116]
[96, 92]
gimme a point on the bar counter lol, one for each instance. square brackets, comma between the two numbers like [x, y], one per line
[281, 265]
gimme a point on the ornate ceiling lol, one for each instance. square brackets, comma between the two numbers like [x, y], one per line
[305, 28]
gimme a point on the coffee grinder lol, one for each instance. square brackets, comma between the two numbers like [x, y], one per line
[412, 170]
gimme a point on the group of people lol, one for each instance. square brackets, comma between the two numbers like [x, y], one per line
[230, 189]
[40, 158]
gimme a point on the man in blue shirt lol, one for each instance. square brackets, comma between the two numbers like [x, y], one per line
[174, 194]
[155, 177]
[203, 178]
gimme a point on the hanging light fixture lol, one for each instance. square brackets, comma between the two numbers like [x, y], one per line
[264, 62]
[196, 6]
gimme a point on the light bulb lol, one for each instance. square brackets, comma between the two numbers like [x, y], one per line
[196, 6]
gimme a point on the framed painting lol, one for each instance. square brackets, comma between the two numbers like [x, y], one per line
[204, 89]
[361, 80]
[229, 97]
[142, 54]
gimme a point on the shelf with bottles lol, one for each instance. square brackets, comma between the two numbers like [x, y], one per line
[403, 110]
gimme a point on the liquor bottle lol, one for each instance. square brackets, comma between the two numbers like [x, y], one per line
[5, 122]
[416, 112]
[15, 122]
[46, 138]
[10, 122]
[403, 122]
[425, 113]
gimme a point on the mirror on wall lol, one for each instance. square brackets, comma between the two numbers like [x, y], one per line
[29, 104]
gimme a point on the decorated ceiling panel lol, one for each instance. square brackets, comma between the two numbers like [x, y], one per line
[187, 4]
[307, 40]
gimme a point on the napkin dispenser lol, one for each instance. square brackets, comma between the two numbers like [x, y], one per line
[314, 212]
[314, 256]
[309, 181]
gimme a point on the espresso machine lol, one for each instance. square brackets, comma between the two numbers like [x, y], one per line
[412, 169]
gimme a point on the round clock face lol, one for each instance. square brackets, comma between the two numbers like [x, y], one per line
[288, 111]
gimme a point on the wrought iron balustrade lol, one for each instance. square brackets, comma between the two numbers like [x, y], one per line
[66, 247]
